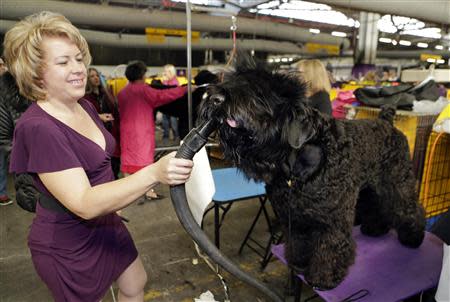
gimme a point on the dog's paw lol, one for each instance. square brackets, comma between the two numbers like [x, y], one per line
[412, 240]
[321, 282]
[326, 276]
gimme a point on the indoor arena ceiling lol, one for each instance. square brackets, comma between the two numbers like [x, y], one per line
[412, 25]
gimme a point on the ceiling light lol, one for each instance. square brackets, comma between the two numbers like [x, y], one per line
[339, 34]
[314, 30]
[422, 45]
[305, 10]
[284, 59]
[270, 4]
[431, 60]
[385, 40]
[429, 32]
[439, 47]
[404, 43]
[440, 61]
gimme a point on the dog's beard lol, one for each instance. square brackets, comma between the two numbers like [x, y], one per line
[257, 156]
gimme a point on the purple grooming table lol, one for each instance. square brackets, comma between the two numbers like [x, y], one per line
[386, 269]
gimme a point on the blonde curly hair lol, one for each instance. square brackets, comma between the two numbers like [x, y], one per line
[24, 54]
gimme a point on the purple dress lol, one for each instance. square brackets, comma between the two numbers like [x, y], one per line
[78, 259]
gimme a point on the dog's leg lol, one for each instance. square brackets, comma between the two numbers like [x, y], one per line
[299, 250]
[408, 214]
[409, 218]
[374, 219]
[333, 254]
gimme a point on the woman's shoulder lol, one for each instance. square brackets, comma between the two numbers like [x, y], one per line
[36, 118]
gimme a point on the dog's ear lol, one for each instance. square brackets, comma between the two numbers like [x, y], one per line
[297, 133]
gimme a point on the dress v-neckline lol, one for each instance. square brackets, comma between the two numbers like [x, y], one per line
[75, 131]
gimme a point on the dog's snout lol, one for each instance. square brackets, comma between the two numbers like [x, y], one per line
[217, 99]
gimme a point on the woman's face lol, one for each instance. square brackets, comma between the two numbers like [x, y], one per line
[64, 76]
[94, 78]
[167, 75]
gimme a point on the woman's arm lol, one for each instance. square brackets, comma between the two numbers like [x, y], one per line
[160, 97]
[72, 188]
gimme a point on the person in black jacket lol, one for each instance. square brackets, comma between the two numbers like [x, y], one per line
[318, 83]
[4, 198]
[12, 105]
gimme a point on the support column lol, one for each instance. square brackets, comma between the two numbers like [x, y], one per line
[366, 48]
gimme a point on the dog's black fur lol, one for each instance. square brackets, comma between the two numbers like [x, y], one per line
[316, 168]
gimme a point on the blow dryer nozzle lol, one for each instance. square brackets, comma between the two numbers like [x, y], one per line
[196, 139]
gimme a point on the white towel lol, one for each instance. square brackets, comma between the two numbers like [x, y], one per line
[200, 187]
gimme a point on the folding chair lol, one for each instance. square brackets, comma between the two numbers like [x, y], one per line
[232, 186]
[384, 270]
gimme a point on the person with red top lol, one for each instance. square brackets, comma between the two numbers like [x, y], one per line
[137, 102]
[79, 245]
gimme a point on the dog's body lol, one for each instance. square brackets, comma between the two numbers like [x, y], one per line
[316, 169]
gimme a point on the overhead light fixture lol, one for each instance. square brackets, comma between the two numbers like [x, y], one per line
[270, 60]
[339, 34]
[422, 45]
[440, 61]
[314, 30]
[385, 40]
[431, 60]
[404, 43]
[284, 59]
[439, 47]
[268, 5]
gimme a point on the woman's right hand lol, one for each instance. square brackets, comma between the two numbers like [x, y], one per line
[173, 171]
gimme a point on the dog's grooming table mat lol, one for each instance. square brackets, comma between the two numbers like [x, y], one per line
[384, 269]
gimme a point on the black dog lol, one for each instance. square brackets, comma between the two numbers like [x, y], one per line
[316, 168]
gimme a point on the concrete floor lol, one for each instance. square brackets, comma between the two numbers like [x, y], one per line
[165, 248]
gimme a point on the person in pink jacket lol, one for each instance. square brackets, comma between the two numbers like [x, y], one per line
[137, 102]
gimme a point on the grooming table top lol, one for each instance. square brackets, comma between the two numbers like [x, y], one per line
[384, 269]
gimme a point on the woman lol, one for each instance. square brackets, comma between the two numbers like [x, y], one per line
[137, 102]
[318, 84]
[169, 78]
[79, 246]
[107, 110]
[95, 93]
